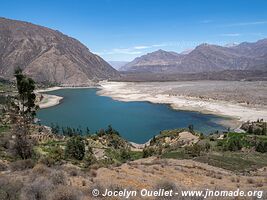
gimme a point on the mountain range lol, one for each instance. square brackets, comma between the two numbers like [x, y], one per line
[48, 55]
[204, 58]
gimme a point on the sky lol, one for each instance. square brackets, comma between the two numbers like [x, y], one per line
[120, 30]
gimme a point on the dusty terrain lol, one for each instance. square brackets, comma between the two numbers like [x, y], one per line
[150, 173]
[241, 100]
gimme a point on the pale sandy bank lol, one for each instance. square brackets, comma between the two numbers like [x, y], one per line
[49, 100]
[158, 93]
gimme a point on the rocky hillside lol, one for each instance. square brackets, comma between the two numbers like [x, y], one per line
[48, 55]
[204, 58]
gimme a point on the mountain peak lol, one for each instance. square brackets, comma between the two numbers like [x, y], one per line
[204, 58]
[48, 55]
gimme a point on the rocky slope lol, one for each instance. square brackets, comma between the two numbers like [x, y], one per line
[48, 55]
[204, 58]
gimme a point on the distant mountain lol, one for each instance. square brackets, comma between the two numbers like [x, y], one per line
[117, 64]
[204, 58]
[155, 61]
[48, 55]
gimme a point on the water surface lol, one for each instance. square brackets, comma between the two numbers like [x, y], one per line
[136, 121]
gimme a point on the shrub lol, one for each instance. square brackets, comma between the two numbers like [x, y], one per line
[22, 165]
[73, 172]
[125, 154]
[93, 173]
[39, 189]
[148, 151]
[194, 150]
[65, 193]
[261, 146]
[56, 153]
[75, 148]
[10, 189]
[3, 166]
[23, 146]
[89, 159]
[58, 178]
[40, 169]
[47, 161]
[250, 180]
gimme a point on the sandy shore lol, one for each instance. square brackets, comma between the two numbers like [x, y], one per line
[150, 92]
[49, 100]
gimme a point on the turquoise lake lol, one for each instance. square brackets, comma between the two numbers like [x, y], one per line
[136, 121]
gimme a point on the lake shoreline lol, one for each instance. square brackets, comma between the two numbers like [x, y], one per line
[235, 114]
[238, 114]
[49, 100]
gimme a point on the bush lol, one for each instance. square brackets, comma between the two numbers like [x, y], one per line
[194, 150]
[3, 166]
[65, 193]
[58, 178]
[75, 148]
[56, 153]
[47, 161]
[125, 154]
[10, 189]
[22, 165]
[148, 151]
[40, 169]
[261, 146]
[39, 189]
[89, 159]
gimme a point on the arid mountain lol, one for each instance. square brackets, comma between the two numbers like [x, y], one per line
[204, 58]
[155, 61]
[48, 55]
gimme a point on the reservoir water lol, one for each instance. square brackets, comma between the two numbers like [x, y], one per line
[135, 121]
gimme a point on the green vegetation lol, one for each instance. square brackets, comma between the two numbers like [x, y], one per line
[75, 148]
[235, 161]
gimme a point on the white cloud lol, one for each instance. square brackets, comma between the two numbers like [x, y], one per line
[230, 34]
[245, 23]
[128, 51]
[142, 47]
[160, 45]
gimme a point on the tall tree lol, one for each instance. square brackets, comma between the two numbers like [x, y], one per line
[26, 96]
[26, 110]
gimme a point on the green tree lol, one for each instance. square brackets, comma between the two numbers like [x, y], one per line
[75, 148]
[264, 128]
[110, 131]
[125, 154]
[25, 111]
[234, 144]
[55, 128]
[191, 128]
[148, 151]
[26, 96]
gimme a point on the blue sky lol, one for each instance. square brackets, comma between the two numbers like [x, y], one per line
[125, 29]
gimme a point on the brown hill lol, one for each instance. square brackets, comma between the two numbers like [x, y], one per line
[48, 55]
